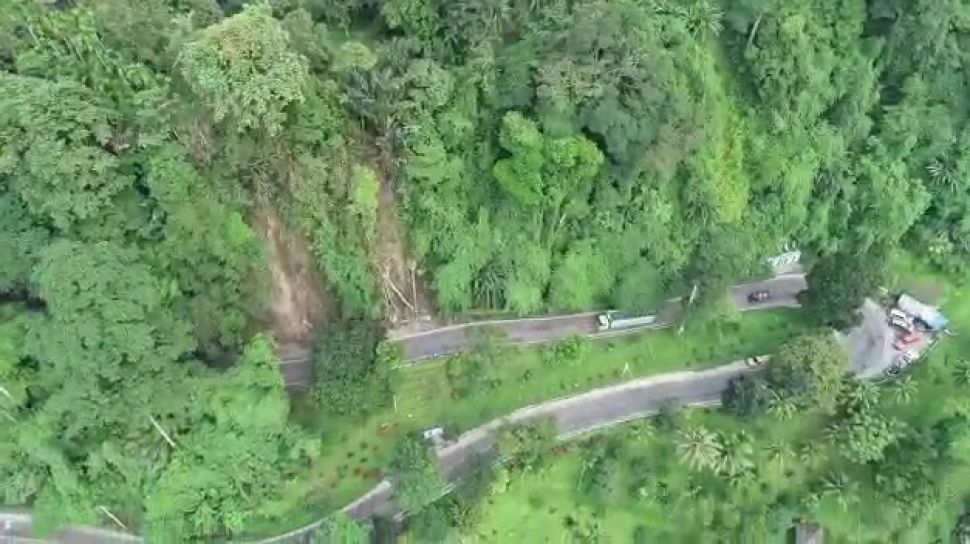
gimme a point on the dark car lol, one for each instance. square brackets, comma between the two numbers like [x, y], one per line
[759, 296]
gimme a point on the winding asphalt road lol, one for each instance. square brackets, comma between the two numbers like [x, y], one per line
[572, 415]
[452, 339]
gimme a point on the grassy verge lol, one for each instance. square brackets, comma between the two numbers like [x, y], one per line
[518, 377]
[353, 453]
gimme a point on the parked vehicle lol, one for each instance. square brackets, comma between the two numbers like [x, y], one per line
[756, 361]
[613, 320]
[759, 296]
[434, 435]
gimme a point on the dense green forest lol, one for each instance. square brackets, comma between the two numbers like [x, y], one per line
[537, 155]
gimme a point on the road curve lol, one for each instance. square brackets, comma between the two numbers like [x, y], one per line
[453, 339]
[572, 416]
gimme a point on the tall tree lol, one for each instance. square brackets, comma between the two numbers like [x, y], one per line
[21, 240]
[14, 376]
[109, 354]
[245, 69]
[809, 370]
[107, 344]
[413, 469]
[233, 455]
[839, 283]
[352, 370]
[700, 448]
[203, 243]
[59, 149]
[860, 428]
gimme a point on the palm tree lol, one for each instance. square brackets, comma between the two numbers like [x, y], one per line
[590, 533]
[861, 396]
[961, 533]
[699, 448]
[808, 502]
[961, 373]
[742, 477]
[589, 462]
[663, 497]
[809, 454]
[944, 172]
[904, 390]
[782, 407]
[487, 285]
[840, 487]
[704, 17]
[582, 531]
[780, 453]
[736, 455]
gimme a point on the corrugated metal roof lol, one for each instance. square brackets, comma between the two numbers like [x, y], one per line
[924, 312]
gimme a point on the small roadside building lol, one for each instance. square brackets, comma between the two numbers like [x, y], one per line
[809, 533]
[928, 315]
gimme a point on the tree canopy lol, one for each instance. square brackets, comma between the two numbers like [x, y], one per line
[169, 167]
[809, 370]
[244, 69]
[414, 471]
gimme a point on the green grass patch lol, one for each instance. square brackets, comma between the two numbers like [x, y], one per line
[524, 376]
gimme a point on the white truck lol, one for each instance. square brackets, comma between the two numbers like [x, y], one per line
[612, 320]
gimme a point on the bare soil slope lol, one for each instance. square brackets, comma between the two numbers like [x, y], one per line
[297, 302]
[408, 305]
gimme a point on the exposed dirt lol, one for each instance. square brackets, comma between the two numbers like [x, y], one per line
[297, 302]
[408, 304]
